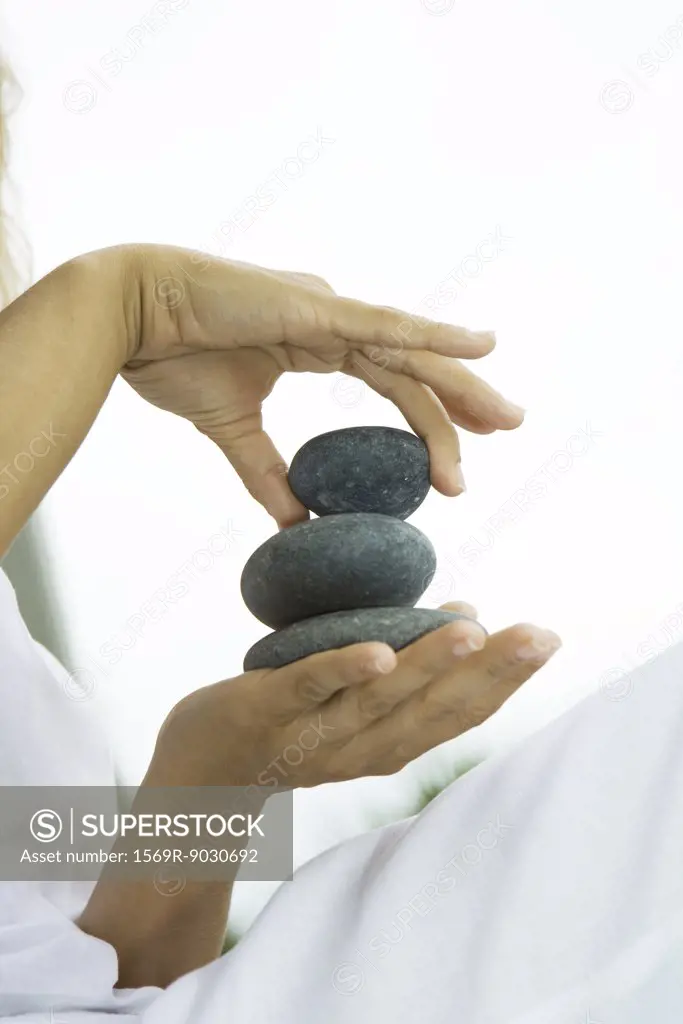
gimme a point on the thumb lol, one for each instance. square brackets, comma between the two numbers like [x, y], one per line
[262, 470]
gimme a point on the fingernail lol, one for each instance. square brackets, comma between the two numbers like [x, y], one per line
[542, 646]
[483, 335]
[459, 479]
[383, 663]
[468, 645]
[492, 410]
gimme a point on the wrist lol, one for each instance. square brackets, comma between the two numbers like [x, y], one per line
[156, 290]
[114, 276]
[172, 766]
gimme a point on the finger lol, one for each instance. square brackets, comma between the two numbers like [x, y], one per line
[286, 692]
[460, 606]
[508, 659]
[363, 324]
[418, 664]
[469, 401]
[262, 469]
[381, 379]
[425, 414]
[467, 695]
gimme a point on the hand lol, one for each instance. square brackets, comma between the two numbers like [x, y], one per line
[214, 336]
[361, 710]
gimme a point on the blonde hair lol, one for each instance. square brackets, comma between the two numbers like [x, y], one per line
[13, 252]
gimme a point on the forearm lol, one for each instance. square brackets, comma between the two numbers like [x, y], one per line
[161, 932]
[158, 936]
[62, 344]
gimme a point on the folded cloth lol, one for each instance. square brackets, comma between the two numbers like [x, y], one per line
[543, 887]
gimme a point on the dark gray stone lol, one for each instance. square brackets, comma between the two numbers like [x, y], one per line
[397, 627]
[357, 560]
[362, 469]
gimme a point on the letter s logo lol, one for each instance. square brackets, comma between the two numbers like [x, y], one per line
[46, 826]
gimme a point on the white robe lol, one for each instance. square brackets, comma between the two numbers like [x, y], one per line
[544, 887]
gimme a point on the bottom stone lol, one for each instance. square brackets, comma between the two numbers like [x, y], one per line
[397, 627]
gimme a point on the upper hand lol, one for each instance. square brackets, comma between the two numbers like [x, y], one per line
[214, 336]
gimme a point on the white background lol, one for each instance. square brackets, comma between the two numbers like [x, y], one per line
[445, 123]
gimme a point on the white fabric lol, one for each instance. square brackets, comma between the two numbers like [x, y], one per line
[544, 887]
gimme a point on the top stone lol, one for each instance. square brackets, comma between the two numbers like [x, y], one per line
[362, 469]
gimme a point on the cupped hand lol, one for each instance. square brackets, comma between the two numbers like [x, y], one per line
[358, 711]
[213, 336]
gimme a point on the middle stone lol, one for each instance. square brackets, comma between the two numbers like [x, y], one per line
[354, 560]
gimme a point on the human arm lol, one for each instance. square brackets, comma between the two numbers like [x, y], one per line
[208, 340]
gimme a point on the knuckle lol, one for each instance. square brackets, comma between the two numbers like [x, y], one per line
[278, 469]
[501, 665]
[516, 675]
[460, 716]
[315, 279]
[435, 709]
[479, 713]
[308, 689]
[372, 705]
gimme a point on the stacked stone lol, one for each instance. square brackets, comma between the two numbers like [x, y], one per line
[355, 573]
